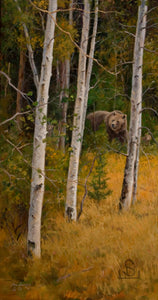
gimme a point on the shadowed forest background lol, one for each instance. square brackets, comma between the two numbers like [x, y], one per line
[106, 254]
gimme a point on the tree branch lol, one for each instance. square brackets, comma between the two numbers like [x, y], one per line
[151, 51]
[11, 175]
[149, 11]
[149, 108]
[116, 151]
[148, 88]
[70, 274]
[17, 149]
[144, 127]
[30, 50]
[85, 186]
[14, 116]
[70, 36]
[130, 33]
[15, 88]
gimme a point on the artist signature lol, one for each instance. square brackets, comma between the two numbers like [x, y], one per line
[129, 270]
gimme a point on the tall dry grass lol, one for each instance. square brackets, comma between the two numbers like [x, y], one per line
[88, 260]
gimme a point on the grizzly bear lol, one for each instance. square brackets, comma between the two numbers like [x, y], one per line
[115, 121]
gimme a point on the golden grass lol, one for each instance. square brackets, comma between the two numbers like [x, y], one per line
[84, 260]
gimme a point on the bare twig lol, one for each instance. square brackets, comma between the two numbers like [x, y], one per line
[127, 26]
[85, 186]
[15, 88]
[28, 144]
[11, 175]
[152, 26]
[77, 9]
[116, 151]
[149, 108]
[92, 87]
[148, 88]
[149, 11]
[151, 51]
[130, 33]
[42, 20]
[144, 127]
[30, 50]
[72, 40]
[70, 274]
[17, 149]
[14, 116]
[125, 63]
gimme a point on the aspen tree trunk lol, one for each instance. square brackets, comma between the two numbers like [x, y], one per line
[136, 165]
[20, 85]
[39, 144]
[131, 167]
[72, 180]
[65, 88]
[89, 67]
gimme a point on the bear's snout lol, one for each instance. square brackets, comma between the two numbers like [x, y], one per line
[115, 125]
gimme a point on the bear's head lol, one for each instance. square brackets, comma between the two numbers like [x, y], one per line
[116, 121]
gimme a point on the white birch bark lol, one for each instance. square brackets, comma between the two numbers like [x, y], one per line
[39, 144]
[142, 41]
[136, 104]
[72, 180]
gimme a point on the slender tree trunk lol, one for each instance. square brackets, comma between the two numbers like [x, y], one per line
[63, 106]
[131, 167]
[57, 76]
[72, 180]
[20, 85]
[39, 144]
[136, 165]
[65, 88]
[6, 85]
[89, 67]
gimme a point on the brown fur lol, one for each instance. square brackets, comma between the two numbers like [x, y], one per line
[115, 121]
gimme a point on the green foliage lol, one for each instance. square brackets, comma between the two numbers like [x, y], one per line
[56, 175]
[99, 189]
[79, 261]
[64, 47]
[15, 174]
[8, 29]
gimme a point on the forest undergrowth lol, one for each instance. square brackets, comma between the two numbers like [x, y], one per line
[105, 255]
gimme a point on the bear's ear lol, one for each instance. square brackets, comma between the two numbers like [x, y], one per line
[124, 116]
[114, 113]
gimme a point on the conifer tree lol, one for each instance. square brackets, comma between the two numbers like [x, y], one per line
[99, 189]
